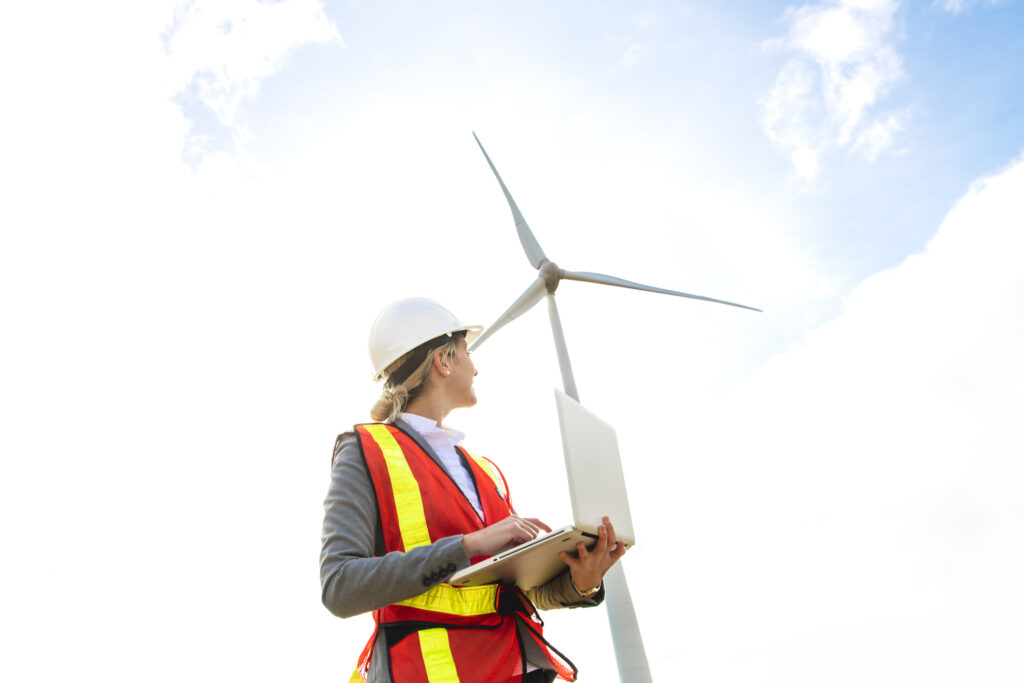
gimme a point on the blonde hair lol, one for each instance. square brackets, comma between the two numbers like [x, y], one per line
[395, 398]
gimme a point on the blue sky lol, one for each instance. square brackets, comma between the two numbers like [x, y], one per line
[699, 74]
[206, 204]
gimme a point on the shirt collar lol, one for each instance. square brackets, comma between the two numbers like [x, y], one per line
[425, 426]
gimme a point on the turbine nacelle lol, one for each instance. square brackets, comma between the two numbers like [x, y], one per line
[551, 275]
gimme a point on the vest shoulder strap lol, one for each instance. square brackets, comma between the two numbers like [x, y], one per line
[393, 478]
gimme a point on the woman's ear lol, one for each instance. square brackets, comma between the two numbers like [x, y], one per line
[441, 362]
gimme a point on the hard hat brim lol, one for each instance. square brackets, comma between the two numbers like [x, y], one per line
[472, 332]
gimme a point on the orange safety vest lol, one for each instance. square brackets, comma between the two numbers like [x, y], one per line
[450, 633]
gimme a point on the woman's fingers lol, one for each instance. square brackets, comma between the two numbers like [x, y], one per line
[611, 533]
[530, 524]
[503, 535]
[590, 565]
[618, 547]
[527, 526]
[522, 530]
[601, 547]
[539, 524]
[570, 561]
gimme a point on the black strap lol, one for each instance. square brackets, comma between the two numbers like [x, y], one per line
[512, 600]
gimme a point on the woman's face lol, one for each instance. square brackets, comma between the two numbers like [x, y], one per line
[460, 381]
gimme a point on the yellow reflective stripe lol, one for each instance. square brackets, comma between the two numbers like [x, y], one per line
[492, 471]
[470, 601]
[437, 656]
[356, 677]
[412, 522]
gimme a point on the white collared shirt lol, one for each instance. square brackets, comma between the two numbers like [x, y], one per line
[444, 440]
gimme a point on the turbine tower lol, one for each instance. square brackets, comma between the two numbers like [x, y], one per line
[626, 639]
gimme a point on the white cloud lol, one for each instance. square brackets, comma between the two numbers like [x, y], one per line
[844, 63]
[960, 6]
[632, 56]
[954, 6]
[879, 136]
[861, 493]
[629, 59]
[224, 50]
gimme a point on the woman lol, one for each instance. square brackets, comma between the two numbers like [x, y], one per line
[408, 507]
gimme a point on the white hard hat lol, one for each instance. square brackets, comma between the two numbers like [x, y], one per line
[406, 324]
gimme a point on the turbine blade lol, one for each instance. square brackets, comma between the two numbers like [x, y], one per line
[524, 303]
[597, 278]
[526, 238]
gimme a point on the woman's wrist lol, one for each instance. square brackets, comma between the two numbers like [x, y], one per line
[587, 592]
[468, 545]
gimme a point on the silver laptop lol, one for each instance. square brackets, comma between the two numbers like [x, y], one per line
[596, 488]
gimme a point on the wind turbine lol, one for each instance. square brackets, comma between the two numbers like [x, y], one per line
[626, 639]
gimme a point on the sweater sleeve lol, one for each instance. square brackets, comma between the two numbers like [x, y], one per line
[559, 592]
[355, 574]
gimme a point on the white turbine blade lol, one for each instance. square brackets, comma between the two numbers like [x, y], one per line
[526, 238]
[524, 303]
[597, 278]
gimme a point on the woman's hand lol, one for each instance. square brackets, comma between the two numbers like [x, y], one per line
[502, 535]
[588, 569]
